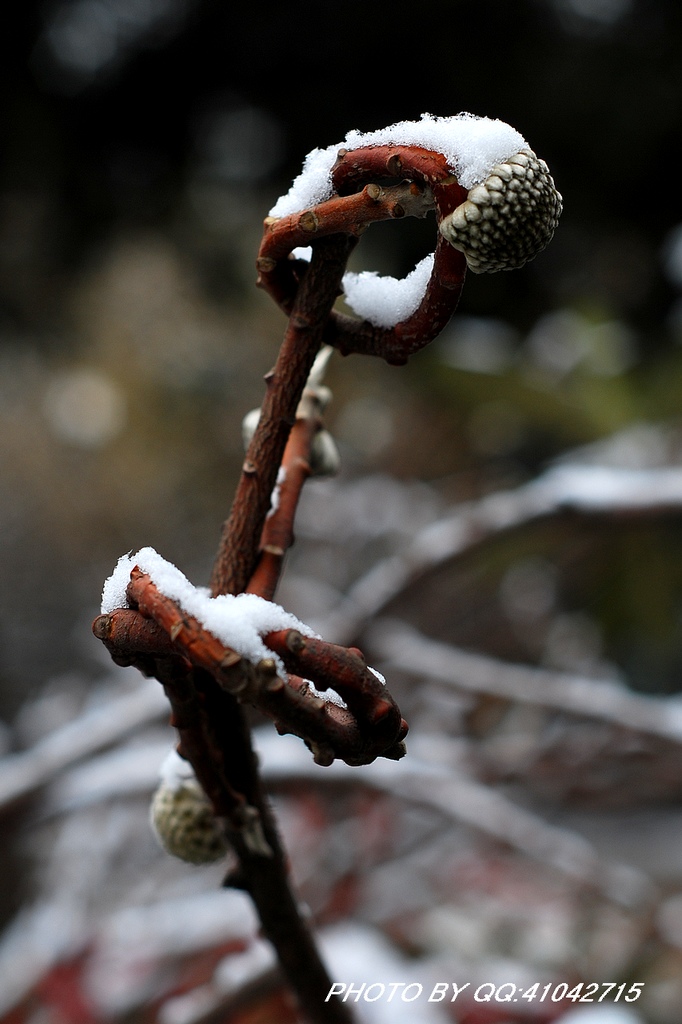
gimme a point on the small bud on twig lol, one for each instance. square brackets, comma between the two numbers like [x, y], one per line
[184, 822]
[509, 218]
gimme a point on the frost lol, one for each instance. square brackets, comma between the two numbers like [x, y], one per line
[471, 145]
[386, 301]
[238, 622]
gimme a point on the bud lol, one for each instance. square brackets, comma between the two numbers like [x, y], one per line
[509, 218]
[185, 824]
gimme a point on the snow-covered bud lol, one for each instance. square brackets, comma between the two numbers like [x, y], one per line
[509, 218]
[183, 820]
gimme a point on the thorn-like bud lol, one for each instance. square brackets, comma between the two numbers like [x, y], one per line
[253, 834]
[308, 221]
[394, 165]
[507, 219]
[322, 753]
[183, 820]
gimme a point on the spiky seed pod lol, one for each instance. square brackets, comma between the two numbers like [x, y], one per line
[183, 820]
[509, 218]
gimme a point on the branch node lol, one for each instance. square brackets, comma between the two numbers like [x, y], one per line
[394, 165]
[251, 828]
[230, 659]
[308, 221]
[295, 641]
[101, 627]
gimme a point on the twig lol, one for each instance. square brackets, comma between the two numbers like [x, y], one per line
[430, 185]
[369, 726]
[238, 550]
[298, 463]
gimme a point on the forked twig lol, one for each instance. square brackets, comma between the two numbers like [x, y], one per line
[206, 678]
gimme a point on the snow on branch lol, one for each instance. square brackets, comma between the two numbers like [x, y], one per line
[238, 621]
[471, 146]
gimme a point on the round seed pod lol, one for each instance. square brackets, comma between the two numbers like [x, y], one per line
[185, 825]
[507, 219]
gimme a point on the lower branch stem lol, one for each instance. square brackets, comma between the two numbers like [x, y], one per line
[266, 877]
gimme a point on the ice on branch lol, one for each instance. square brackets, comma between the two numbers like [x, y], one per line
[238, 622]
[471, 145]
[387, 301]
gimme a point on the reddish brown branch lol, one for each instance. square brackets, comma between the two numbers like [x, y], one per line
[381, 728]
[371, 726]
[278, 531]
[215, 739]
[429, 184]
[238, 549]
[350, 215]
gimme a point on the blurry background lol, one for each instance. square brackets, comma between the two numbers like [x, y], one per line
[143, 141]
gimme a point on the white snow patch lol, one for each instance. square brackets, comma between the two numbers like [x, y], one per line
[330, 696]
[387, 301]
[382, 679]
[384, 301]
[237, 621]
[175, 772]
[274, 497]
[471, 145]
